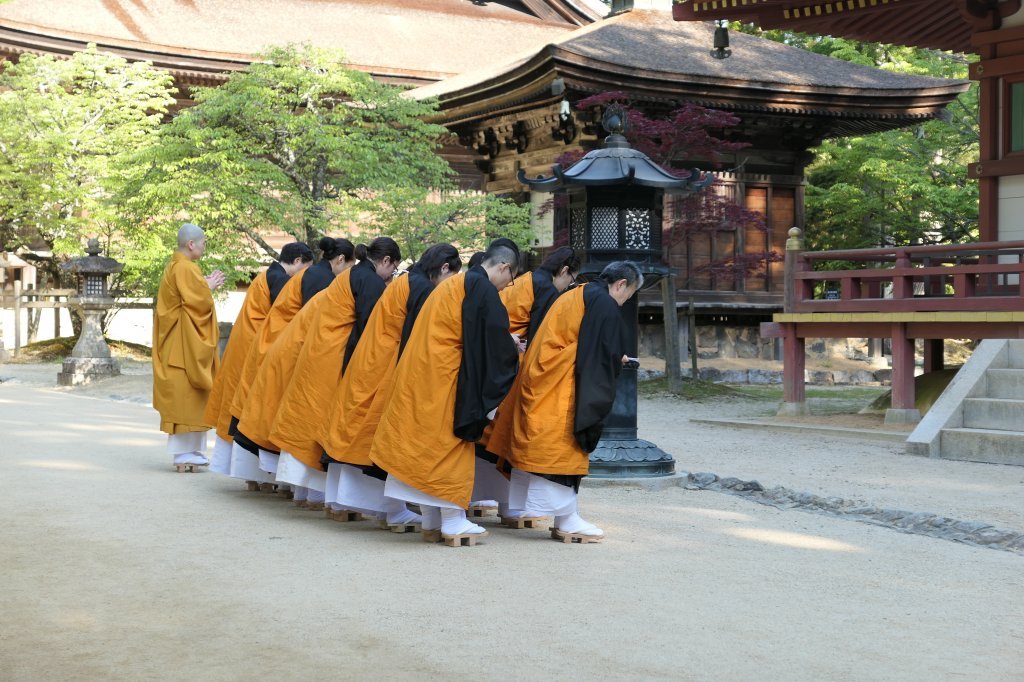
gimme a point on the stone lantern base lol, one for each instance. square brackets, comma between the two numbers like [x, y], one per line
[77, 371]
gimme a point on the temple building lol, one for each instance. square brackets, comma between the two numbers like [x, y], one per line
[909, 293]
[522, 115]
[508, 75]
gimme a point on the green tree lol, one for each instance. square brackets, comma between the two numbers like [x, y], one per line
[70, 129]
[416, 218]
[296, 142]
[906, 186]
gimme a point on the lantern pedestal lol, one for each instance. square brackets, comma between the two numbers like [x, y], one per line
[90, 359]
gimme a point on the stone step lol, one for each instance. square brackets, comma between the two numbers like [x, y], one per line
[994, 413]
[1005, 383]
[1016, 350]
[983, 445]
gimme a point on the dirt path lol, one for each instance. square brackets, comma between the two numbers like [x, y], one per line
[115, 567]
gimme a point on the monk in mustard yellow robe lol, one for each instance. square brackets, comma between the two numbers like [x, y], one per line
[354, 482]
[456, 368]
[262, 293]
[185, 337]
[565, 389]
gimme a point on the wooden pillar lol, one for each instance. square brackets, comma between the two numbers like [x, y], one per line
[671, 316]
[691, 332]
[988, 120]
[902, 410]
[794, 400]
[934, 355]
[794, 354]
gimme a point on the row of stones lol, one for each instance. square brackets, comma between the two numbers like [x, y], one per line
[976, 533]
[768, 376]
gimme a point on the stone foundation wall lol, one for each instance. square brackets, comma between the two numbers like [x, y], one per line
[744, 343]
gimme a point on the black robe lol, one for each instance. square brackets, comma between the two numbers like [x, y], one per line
[544, 294]
[318, 276]
[599, 352]
[276, 279]
[420, 287]
[490, 358]
[367, 287]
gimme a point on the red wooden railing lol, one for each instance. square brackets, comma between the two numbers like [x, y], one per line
[984, 276]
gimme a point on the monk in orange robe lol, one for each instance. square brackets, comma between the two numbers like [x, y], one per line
[526, 303]
[454, 372]
[337, 255]
[310, 369]
[185, 361]
[263, 291]
[564, 391]
[356, 407]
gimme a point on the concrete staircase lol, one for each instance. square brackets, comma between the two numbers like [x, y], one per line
[980, 416]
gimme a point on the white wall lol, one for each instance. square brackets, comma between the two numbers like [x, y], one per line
[1011, 208]
[135, 326]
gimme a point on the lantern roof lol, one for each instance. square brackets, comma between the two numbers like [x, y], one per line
[617, 163]
[94, 263]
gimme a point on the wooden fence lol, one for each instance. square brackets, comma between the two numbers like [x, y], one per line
[22, 301]
[975, 277]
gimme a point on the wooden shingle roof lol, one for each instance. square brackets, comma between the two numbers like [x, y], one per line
[413, 42]
[655, 59]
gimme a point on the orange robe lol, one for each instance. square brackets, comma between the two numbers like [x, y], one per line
[288, 303]
[357, 404]
[518, 300]
[185, 337]
[416, 439]
[247, 325]
[543, 438]
[275, 373]
[314, 368]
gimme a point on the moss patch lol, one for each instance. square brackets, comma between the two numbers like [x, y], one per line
[55, 350]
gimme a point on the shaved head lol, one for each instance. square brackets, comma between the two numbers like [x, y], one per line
[191, 241]
[189, 232]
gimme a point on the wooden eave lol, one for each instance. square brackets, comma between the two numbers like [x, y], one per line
[936, 24]
[851, 110]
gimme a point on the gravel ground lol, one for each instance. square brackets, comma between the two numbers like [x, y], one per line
[115, 567]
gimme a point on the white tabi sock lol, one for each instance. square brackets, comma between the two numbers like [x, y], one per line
[191, 458]
[431, 517]
[300, 493]
[490, 504]
[398, 514]
[572, 523]
[314, 496]
[454, 522]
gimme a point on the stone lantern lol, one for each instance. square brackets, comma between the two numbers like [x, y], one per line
[615, 197]
[90, 358]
